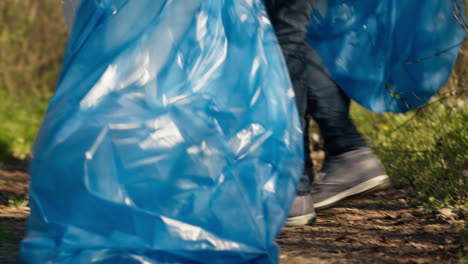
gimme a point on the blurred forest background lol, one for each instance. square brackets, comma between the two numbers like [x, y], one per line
[425, 149]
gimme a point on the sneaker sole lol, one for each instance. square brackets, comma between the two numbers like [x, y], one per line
[301, 220]
[374, 184]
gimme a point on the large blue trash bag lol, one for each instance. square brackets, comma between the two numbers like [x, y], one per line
[173, 137]
[388, 55]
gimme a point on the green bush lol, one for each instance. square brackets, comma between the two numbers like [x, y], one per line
[32, 40]
[425, 149]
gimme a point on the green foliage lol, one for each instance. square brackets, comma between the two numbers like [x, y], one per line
[32, 40]
[16, 201]
[21, 116]
[425, 149]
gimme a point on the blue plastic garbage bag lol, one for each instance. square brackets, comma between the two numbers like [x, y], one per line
[172, 137]
[388, 55]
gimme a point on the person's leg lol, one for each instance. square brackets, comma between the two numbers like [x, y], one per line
[350, 168]
[329, 107]
[290, 19]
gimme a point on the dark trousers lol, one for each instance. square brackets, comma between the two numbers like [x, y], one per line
[317, 95]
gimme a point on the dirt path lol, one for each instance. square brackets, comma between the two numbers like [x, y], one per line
[384, 227]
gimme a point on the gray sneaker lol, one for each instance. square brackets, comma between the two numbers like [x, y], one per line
[302, 211]
[351, 173]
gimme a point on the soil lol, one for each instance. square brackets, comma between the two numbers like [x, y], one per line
[384, 227]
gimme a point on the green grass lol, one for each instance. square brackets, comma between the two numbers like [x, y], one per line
[424, 149]
[21, 116]
[16, 201]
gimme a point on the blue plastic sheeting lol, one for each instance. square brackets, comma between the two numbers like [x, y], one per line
[388, 55]
[172, 137]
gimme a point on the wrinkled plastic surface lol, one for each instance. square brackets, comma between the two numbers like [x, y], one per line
[389, 55]
[172, 137]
